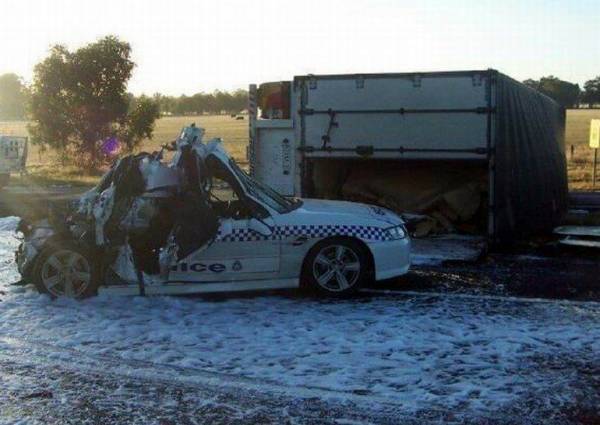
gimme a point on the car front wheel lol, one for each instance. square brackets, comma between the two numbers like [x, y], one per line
[337, 267]
[66, 270]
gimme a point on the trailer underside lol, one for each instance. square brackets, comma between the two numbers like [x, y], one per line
[445, 203]
[450, 197]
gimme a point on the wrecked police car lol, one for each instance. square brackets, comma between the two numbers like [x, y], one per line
[201, 224]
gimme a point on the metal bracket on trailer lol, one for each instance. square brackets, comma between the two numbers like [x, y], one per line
[400, 111]
[367, 150]
[326, 138]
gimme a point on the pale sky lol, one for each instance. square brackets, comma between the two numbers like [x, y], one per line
[187, 46]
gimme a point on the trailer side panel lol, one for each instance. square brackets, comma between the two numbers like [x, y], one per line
[417, 116]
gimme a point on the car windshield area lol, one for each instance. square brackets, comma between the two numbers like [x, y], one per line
[225, 192]
[264, 193]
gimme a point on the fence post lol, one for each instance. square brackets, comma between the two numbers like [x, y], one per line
[594, 172]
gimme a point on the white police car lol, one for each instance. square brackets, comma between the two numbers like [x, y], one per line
[256, 238]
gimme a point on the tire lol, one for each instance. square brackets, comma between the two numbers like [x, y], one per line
[337, 267]
[64, 269]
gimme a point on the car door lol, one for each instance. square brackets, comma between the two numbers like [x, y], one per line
[246, 247]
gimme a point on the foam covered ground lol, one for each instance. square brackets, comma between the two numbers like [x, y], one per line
[472, 356]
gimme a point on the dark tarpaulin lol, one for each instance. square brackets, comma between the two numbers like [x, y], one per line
[530, 187]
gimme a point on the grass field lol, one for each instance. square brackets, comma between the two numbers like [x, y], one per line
[43, 166]
[233, 132]
[577, 135]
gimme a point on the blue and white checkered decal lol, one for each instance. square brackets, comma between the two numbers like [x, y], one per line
[244, 235]
[366, 233]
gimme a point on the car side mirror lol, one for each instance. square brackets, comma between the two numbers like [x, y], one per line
[259, 227]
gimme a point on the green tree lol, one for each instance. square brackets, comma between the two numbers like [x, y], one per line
[139, 122]
[79, 101]
[591, 94]
[13, 97]
[563, 92]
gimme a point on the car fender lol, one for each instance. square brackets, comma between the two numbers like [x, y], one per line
[294, 260]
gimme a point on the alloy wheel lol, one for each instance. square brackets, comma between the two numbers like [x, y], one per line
[336, 268]
[66, 273]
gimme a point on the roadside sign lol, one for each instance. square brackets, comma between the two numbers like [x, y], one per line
[594, 144]
[595, 134]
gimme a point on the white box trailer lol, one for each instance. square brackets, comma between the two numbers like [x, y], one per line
[13, 155]
[414, 134]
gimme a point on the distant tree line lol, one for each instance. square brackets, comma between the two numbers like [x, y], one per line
[568, 94]
[15, 101]
[563, 92]
[218, 102]
[15, 98]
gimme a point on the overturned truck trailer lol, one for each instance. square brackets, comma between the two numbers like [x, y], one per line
[475, 152]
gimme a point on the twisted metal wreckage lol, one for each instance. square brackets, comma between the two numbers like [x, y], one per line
[201, 224]
[138, 194]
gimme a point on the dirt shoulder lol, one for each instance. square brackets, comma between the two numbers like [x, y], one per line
[33, 201]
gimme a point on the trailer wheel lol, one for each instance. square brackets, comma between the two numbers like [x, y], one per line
[64, 269]
[337, 266]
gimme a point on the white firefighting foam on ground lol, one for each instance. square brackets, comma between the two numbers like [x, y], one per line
[416, 352]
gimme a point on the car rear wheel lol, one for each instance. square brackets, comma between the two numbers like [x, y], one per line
[66, 270]
[337, 267]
